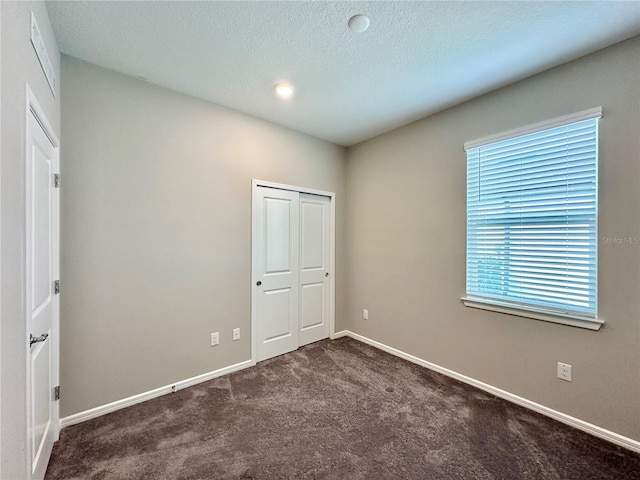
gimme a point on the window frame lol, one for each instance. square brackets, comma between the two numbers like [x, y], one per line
[528, 311]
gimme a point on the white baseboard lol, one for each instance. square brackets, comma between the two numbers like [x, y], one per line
[595, 430]
[157, 392]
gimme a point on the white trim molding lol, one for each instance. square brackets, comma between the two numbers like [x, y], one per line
[530, 312]
[595, 112]
[587, 427]
[157, 392]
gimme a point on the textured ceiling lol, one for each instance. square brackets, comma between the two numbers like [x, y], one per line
[416, 58]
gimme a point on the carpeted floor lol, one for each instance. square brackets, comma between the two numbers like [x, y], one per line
[333, 410]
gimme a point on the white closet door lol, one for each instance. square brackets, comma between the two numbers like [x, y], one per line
[277, 279]
[314, 268]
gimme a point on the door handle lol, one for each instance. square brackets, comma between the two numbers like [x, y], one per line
[326, 274]
[258, 283]
[41, 338]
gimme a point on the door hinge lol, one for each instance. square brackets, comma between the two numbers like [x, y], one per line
[56, 393]
[56, 287]
[56, 180]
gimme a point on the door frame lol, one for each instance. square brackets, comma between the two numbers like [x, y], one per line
[332, 258]
[34, 107]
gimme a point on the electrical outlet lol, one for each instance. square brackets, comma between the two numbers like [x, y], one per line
[236, 334]
[564, 371]
[365, 314]
[215, 339]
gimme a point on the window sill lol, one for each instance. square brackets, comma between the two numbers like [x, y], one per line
[546, 317]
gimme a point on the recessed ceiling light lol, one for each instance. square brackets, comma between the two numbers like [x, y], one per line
[359, 23]
[284, 90]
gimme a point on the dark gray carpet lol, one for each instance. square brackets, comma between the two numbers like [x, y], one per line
[333, 410]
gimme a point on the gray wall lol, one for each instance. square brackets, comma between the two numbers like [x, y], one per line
[19, 66]
[156, 238]
[156, 230]
[406, 246]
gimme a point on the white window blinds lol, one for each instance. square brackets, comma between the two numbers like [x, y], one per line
[532, 207]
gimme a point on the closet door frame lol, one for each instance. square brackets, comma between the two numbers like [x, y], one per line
[254, 269]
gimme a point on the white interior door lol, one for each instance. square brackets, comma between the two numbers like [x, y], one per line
[42, 301]
[276, 276]
[314, 267]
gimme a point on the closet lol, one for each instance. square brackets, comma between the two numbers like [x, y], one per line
[292, 257]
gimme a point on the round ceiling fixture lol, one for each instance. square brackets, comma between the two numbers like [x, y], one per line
[358, 23]
[284, 90]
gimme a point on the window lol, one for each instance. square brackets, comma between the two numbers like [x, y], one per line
[532, 204]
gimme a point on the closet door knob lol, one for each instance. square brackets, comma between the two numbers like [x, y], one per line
[258, 283]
